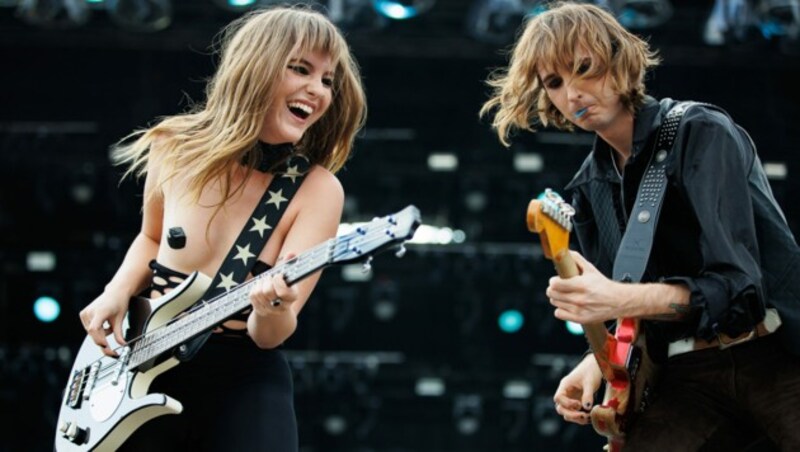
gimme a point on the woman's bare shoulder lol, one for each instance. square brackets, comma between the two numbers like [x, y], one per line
[320, 180]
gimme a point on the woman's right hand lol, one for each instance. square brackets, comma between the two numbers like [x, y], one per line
[575, 394]
[102, 317]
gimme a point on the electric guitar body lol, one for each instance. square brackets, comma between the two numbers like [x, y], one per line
[627, 369]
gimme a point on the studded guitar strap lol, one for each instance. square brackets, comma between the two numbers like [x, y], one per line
[634, 250]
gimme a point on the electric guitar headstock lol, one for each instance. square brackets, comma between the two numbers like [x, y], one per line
[551, 217]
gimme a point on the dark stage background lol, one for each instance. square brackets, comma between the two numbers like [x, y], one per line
[411, 356]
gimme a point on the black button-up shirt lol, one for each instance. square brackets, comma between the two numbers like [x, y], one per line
[717, 221]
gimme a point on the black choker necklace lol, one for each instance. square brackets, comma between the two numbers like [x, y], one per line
[268, 156]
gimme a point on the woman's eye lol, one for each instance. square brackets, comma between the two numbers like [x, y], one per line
[327, 82]
[299, 69]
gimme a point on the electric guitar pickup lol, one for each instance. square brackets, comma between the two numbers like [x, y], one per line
[626, 367]
[106, 398]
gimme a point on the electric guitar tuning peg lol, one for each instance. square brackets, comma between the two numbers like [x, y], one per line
[367, 267]
[401, 251]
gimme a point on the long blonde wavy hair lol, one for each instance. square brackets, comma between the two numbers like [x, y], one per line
[549, 41]
[203, 144]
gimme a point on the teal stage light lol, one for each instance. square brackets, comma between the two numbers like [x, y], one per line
[401, 9]
[46, 309]
[574, 328]
[510, 321]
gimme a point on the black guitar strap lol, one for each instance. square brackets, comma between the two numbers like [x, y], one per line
[634, 250]
[255, 234]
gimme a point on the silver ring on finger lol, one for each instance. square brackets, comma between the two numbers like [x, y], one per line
[276, 302]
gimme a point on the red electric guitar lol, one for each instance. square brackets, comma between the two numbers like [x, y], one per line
[627, 369]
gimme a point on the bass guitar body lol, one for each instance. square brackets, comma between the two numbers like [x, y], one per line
[106, 400]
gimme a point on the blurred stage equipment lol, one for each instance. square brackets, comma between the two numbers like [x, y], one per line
[497, 21]
[355, 15]
[779, 18]
[642, 14]
[53, 13]
[141, 15]
[467, 410]
[730, 20]
[740, 21]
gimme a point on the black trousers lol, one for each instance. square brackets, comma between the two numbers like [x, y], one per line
[235, 397]
[741, 398]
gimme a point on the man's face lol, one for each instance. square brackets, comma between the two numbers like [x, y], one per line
[589, 103]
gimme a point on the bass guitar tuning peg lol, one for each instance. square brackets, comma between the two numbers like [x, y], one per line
[367, 267]
[401, 251]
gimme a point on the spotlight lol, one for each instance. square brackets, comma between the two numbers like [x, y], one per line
[517, 389]
[510, 321]
[335, 424]
[642, 14]
[54, 13]
[141, 15]
[574, 328]
[776, 170]
[235, 5]
[442, 161]
[402, 9]
[430, 387]
[46, 309]
[528, 162]
[40, 261]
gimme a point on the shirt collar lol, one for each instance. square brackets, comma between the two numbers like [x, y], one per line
[645, 121]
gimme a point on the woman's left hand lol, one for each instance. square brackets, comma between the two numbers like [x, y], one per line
[271, 295]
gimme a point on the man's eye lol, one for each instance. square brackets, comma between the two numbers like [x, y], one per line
[299, 69]
[584, 66]
[554, 83]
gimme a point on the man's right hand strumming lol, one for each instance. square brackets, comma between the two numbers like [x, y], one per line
[575, 394]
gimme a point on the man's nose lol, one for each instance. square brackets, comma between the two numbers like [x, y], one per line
[574, 91]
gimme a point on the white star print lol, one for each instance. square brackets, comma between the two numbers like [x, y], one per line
[227, 281]
[260, 225]
[292, 173]
[276, 198]
[244, 253]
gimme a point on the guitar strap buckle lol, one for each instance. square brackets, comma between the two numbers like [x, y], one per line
[771, 322]
[726, 343]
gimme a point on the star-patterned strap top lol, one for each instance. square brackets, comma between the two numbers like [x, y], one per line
[241, 262]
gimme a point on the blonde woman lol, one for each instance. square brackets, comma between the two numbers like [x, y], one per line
[722, 252]
[286, 83]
